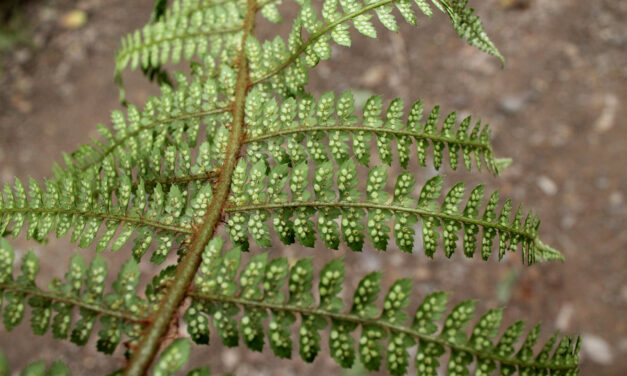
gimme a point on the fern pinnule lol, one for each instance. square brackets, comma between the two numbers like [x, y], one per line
[469, 27]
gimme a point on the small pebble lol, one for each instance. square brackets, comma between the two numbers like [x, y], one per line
[605, 121]
[597, 349]
[564, 317]
[512, 104]
[74, 19]
[230, 358]
[568, 221]
[616, 199]
[547, 185]
[422, 273]
[374, 75]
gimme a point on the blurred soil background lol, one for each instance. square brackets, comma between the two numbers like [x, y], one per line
[557, 108]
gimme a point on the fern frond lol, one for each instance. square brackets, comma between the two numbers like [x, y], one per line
[120, 311]
[80, 204]
[287, 66]
[287, 131]
[386, 330]
[184, 31]
[170, 192]
[169, 123]
[38, 368]
[257, 193]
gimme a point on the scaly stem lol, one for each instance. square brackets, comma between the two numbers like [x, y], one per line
[148, 346]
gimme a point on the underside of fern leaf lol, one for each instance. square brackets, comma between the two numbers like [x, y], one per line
[120, 311]
[240, 142]
[385, 332]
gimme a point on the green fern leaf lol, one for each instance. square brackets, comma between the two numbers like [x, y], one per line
[83, 289]
[340, 203]
[291, 140]
[286, 65]
[385, 332]
[183, 32]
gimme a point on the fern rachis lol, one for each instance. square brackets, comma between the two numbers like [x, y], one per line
[240, 141]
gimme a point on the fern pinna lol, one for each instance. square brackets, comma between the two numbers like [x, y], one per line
[239, 141]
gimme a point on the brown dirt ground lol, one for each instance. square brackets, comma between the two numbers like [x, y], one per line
[557, 108]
